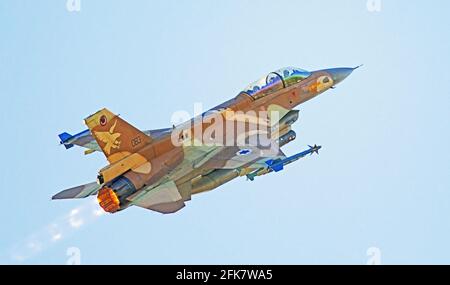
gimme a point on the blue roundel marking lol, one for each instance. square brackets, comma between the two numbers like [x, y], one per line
[244, 152]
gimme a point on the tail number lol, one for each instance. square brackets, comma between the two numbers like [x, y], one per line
[136, 141]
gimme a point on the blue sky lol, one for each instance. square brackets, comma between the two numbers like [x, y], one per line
[381, 180]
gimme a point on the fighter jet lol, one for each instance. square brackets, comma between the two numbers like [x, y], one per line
[161, 169]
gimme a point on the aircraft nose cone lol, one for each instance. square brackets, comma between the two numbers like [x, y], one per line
[339, 74]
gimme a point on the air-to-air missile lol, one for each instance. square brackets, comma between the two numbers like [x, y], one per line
[279, 164]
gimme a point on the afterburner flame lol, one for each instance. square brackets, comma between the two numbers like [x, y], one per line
[108, 200]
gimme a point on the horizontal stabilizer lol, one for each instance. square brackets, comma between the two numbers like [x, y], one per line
[81, 191]
[165, 198]
[167, 208]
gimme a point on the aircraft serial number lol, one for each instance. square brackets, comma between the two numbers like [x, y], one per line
[136, 141]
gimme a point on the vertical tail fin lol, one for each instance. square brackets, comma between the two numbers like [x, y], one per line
[116, 137]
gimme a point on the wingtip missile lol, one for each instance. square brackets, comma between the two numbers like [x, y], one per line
[64, 138]
[68, 140]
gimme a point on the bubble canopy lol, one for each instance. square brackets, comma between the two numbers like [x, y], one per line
[275, 81]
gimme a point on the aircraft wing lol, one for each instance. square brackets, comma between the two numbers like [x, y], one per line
[262, 161]
[233, 157]
[86, 140]
[238, 157]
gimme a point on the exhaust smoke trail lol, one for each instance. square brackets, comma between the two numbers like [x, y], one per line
[56, 231]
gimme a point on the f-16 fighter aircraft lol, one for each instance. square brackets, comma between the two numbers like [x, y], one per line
[161, 169]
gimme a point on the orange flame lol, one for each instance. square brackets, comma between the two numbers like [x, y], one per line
[108, 200]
